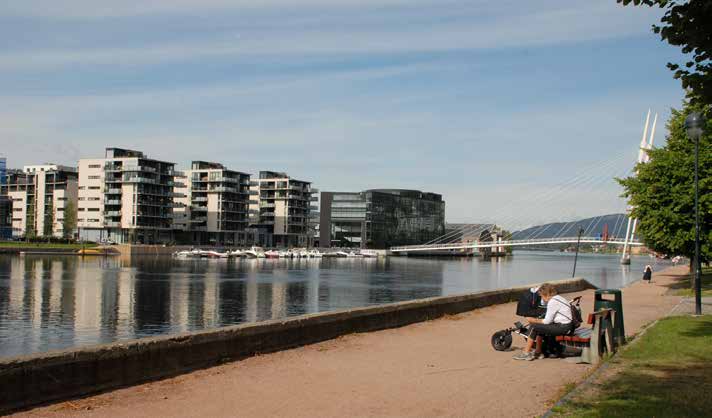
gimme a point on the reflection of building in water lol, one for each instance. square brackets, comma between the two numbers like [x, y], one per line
[88, 309]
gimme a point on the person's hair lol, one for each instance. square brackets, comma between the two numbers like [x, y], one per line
[548, 290]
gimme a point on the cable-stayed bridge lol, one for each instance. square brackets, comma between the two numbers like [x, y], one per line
[491, 238]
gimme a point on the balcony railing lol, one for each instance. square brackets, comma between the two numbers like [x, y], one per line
[113, 191]
[199, 199]
[112, 213]
[112, 202]
[112, 224]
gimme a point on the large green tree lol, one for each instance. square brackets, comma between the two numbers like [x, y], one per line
[69, 223]
[687, 24]
[662, 192]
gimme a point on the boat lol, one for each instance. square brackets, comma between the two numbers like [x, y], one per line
[272, 254]
[254, 252]
[314, 254]
[354, 255]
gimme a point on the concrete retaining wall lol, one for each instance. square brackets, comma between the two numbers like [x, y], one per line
[30, 380]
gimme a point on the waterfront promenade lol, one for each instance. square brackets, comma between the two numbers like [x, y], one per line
[444, 367]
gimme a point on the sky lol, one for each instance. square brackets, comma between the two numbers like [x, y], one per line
[495, 105]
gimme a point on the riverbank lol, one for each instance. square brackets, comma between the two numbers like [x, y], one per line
[16, 247]
[444, 367]
[665, 374]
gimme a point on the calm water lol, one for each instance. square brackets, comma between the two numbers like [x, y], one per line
[55, 302]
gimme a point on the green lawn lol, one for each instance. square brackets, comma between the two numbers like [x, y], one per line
[668, 373]
[685, 287]
[40, 245]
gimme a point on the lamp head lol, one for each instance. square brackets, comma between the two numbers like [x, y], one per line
[694, 124]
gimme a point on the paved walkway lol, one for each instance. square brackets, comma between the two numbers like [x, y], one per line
[444, 368]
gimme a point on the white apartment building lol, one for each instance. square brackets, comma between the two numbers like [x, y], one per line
[39, 195]
[214, 206]
[282, 204]
[126, 197]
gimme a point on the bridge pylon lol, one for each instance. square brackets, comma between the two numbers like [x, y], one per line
[645, 145]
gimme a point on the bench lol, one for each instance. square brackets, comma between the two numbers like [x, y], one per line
[594, 341]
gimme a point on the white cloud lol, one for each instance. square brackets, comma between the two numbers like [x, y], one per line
[356, 33]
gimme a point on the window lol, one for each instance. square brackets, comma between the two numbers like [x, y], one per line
[94, 198]
[94, 187]
[81, 209]
[93, 209]
[17, 209]
[94, 166]
[94, 177]
[93, 220]
[60, 209]
[82, 198]
[82, 187]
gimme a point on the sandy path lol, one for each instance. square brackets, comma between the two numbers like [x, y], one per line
[444, 367]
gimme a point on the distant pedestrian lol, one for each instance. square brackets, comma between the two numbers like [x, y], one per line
[648, 274]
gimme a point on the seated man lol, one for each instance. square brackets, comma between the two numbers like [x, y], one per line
[557, 321]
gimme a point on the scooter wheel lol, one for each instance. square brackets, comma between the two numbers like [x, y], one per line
[501, 340]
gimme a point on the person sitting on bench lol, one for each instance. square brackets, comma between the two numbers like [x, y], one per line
[557, 321]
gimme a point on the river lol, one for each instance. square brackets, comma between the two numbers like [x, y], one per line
[52, 302]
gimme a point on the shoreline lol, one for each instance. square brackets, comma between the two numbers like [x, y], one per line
[443, 367]
[100, 368]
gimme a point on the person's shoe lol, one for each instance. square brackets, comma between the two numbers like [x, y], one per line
[525, 356]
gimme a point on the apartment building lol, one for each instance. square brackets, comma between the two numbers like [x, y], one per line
[214, 206]
[39, 195]
[5, 204]
[126, 197]
[281, 204]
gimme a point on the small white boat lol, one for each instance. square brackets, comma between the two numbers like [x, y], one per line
[254, 252]
[272, 254]
[314, 254]
[354, 255]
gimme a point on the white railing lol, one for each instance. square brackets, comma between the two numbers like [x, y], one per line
[512, 243]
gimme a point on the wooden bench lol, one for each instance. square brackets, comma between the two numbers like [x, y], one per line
[594, 341]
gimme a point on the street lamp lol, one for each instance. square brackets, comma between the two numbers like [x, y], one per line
[694, 124]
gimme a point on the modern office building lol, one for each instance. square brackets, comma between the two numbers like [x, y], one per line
[380, 218]
[282, 204]
[39, 195]
[5, 204]
[126, 197]
[214, 209]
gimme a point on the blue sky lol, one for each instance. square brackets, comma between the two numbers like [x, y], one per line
[491, 104]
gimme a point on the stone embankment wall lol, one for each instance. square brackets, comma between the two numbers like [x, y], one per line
[46, 377]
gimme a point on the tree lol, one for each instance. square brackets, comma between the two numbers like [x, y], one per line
[662, 192]
[687, 24]
[69, 223]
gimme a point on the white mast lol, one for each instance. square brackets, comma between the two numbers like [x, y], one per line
[645, 144]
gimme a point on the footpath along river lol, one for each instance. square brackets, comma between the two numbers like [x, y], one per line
[57, 302]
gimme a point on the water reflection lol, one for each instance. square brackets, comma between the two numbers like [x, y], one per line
[54, 302]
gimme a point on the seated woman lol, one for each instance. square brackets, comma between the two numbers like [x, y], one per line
[558, 321]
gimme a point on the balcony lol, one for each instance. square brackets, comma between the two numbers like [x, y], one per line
[113, 191]
[227, 180]
[223, 190]
[266, 205]
[199, 199]
[199, 219]
[199, 208]
[144, 180]
[112, 202]
[112, 224]
[112, 213]
[267, 214]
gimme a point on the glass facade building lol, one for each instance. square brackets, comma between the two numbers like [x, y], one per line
[380, 218]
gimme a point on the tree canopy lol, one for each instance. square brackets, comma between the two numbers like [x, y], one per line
[69, 223]
[687, 24]
[662, 192]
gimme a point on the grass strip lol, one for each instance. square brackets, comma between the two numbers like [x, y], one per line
[668, 373]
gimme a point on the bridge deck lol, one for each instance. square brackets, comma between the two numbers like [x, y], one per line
[510, 243]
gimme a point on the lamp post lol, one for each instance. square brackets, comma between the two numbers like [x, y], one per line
[694, 124]
[578, 242]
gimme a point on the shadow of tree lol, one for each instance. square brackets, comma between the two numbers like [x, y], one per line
[665, 390]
